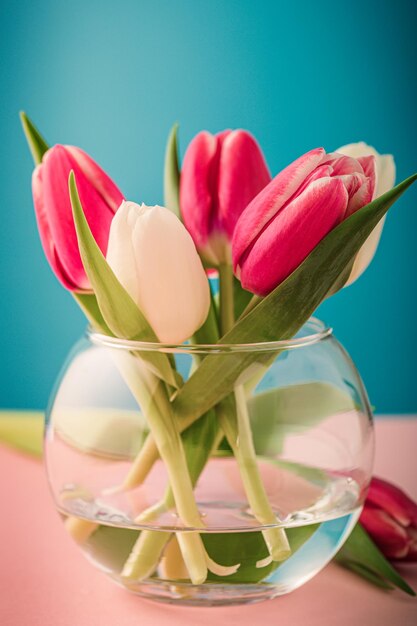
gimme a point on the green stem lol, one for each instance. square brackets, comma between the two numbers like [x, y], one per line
[197, 458]
[89, 306]
[141, 465]
[235, 423]
[148, 454]
[226, 298]
[151, 543]
[240, 440]
[251, 305]
[150, 393]
[145, 554]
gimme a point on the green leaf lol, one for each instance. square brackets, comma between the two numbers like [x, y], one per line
[23, 431]
[119, 311]
[172, 173]
[36, 142]
[361, 551]
[341, 281]
[198, 441]
[208, 333]
[312, 474]
[205, 429]
[111, 546]
[241, 298]
[247, 548]
[366, 573]
[282, 313]
[89, 306]
[117, 307]
[277, 412]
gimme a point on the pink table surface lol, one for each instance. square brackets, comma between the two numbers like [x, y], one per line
[44, 580]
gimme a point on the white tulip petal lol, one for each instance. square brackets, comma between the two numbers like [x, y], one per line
[155, 259]
[366, 253]
[385, 179]
[120, 255]
[358, 149]
[386, 173]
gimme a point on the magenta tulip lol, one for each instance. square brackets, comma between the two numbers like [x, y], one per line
[221, 174]
[390, 518]
[293, 213]
[100, 199]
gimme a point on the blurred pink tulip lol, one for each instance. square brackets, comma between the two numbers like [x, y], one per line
[220, 175]
[292, 214]
[100, 199]
[390, 518]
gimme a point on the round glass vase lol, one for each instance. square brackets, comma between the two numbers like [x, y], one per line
[210, 475]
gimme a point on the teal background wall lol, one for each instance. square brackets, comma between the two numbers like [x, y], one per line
[112, 78]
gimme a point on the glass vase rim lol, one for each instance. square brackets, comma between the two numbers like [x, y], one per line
[318, 332]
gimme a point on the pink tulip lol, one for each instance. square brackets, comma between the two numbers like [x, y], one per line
[220, 176]
[100, 199]
[292, 214]
[390, 518]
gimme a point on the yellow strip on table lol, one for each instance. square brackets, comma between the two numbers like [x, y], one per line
[22, 430]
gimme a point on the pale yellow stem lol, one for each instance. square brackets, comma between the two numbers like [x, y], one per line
[240, 439]
[151, 395]
[80, 529]
[145, 554]
[172, 563]
[141, 466]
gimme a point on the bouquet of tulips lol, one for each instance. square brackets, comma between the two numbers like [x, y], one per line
[278, 245]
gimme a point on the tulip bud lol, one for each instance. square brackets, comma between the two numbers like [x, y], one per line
[292, 214]
[385, 179]
[390, 518]
[99, 196]
[220, 176]
[155, 260]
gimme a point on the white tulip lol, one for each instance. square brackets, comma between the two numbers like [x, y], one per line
[154, 258]
[385, 179]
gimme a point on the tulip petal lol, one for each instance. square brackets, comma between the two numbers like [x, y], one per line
[154, 258]
[369, 165]
[353, 182]
[170, 261]
[356, 149]
[270, 200]
[196, 186]
[44, 230]
[242, 174]
[342, 164]
[362, 196]
[380, 169]
[56, 166]
[98, 178]
[386, 174]
[393, 500]
[322, 171]
[385, 166]
[120, 253]
[292, 234]
[390, 537]
[366, 253]
[412, 549]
